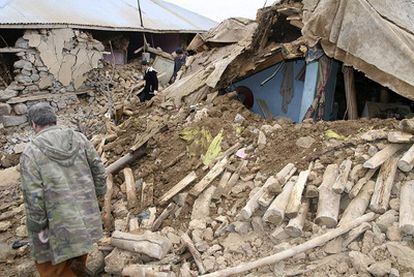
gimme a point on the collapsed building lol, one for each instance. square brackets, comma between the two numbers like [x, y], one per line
[47, 55]
[231, 170]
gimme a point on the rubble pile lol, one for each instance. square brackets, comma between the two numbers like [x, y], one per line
[50, 62]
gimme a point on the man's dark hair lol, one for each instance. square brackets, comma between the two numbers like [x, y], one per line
[42, 114]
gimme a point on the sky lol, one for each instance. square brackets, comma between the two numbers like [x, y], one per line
[219, 10]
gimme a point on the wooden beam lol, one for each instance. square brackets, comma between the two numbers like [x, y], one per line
[191, 177]
[217, 169]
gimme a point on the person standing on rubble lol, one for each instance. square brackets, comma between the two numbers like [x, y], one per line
[62, 177]
[151, 82]
[179, 61]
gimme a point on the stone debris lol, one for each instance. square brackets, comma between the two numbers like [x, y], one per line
[192, 217]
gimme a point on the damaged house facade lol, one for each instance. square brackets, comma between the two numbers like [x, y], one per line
[323, 60]
[47, 55]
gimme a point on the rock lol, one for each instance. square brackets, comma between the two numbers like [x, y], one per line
[342, 268]
[5, 109]
[395, 204]
[394, 273]
[20, 109]
[15, 86]
[95, 262]
[233, 242]
[5, 225]
[45, 82]
[257, 224]
[6, 252]
[21, 231]
[23, 79]
[26, 72]
[173, 238]
[360, 261]
[386, 220]
[209, 263]
[403, 254]
[26, 65]
[197, 224]
[379, 269]
[372, 150]
[267, 129]
[22, 43]
[373, 135]
[35, 77]
[262, 139]
[7, 94]
[305, 142]
[11, 120]
[407, 274]
[394, 233]
[27, 269]
[239, 118]
[242, 227]
[116, 261]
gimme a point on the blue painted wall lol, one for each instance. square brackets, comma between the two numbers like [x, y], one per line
[304, 92]
[270, 92]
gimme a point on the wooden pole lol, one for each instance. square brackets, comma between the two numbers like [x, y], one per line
[359, 204]
[361, 182]
[342, 179]
[383, 155]
[191, 177]
[125, 160]
[383, 186]
[406, 163]
[407, 208]
[130, 188]
[217, 169]
[310, 244]
[350, 92]
[329, 201]
[295, 199]
[295, 226]
[186, 240]
[276, 212]
[107, 206]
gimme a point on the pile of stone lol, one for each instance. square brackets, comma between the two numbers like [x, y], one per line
[50, 62]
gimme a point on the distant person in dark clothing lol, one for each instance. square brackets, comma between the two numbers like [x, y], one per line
[151, 82]
[179, 61]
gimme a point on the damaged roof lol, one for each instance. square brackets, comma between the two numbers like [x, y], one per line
[118, 15]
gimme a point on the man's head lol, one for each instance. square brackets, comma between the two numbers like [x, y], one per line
[145, 65]
[41, 115]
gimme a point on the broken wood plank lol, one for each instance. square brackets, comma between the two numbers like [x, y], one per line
[124, 161]
[359, 204]
[400, 137]
[268, 195]
[407, 208]
[355, 233]
[131, 192]
[383, 186]
[361, 182]
[350, 92]
[342, 179]
[136, 270]
[150, 244]
[406, 163]
[147, 195]
[201, 207]
[295, 226]
[379, 158]
[225, 177]
[217, 169]
[163, 216]
[310, 244]
[295, 198]
[107, 206]
[276, 211]
[188, 243]
[329, 201]
[143, 139]
[191, 177]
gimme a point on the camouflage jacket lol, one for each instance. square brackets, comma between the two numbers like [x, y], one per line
[62, 175]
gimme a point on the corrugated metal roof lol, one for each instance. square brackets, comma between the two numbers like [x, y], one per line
[157, 15]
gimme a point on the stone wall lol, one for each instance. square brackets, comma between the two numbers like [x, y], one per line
[51, 61]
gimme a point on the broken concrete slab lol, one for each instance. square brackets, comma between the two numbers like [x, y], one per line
[12, 120]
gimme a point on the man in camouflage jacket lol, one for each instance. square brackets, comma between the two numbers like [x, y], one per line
[62, 177]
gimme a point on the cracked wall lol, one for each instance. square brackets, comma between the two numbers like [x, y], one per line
[51, 61]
